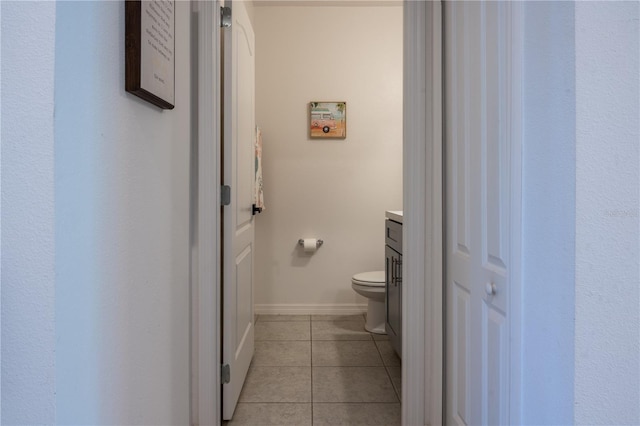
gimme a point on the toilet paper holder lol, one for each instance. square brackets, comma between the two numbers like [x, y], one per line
[318, 242]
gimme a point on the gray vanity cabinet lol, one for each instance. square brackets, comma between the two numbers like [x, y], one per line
[393, 271]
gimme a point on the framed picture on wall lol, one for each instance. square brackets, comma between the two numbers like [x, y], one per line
[150, 51]
[328, 120]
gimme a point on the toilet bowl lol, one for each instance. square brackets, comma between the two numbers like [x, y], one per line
[372, 286]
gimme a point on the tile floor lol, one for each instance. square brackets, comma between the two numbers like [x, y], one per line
[319, 370]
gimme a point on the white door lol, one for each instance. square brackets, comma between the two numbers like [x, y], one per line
[479, 190]
[238, 222]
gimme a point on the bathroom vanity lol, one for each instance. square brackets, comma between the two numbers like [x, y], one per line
[393, 279]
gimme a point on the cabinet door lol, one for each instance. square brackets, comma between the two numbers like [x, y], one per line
[394, 298]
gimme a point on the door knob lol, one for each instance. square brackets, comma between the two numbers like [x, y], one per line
[256, 210]
[490, 288]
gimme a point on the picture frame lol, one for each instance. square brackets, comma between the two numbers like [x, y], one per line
[150, 51]
[327, 120]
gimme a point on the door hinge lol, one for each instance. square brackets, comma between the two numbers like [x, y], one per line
[225, 195]
[225, 373]
[225, 17]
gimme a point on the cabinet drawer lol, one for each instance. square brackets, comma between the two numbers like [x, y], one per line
[393, 235]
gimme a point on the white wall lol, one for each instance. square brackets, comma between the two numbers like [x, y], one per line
[28, 273]
[581, 328]
[607, 330]
[95, 227]
[337, 190]
[0, 221]
[122, 228]
[548, 263]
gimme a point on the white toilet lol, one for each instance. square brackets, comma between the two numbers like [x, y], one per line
[372, 286]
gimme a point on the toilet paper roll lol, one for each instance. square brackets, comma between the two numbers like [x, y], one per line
[310, 245]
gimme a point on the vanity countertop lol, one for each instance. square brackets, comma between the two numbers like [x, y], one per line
[395, 215]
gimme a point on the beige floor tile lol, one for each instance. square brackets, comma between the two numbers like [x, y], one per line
[389, 356]
[357, 414]
[277, 384]
[282, 330]
[345, 353]
[380, 336]
[357, 317]
[284, 317]
[396, 378]
[339, 330]
[252, 414]
[273, 353]
[352, 384]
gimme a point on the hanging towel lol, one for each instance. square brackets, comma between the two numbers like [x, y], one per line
[259, 196]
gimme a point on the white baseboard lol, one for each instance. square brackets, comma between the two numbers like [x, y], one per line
[311, 309]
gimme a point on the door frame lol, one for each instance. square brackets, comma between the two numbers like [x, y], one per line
[422, 172]
[206, 352]
[422, 342]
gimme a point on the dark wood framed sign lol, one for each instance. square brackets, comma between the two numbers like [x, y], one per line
[149, 51]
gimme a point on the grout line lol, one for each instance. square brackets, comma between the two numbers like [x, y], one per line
[349, 402]
[393, 384]
[386, 368]
[311, 341]
[270, 403]
[311, 362]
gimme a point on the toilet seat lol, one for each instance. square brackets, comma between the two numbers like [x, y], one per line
[370, 279]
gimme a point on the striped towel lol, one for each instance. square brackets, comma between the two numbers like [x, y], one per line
[259, 196]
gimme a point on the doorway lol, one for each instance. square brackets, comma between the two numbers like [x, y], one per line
[421, 182]
[336, 189]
